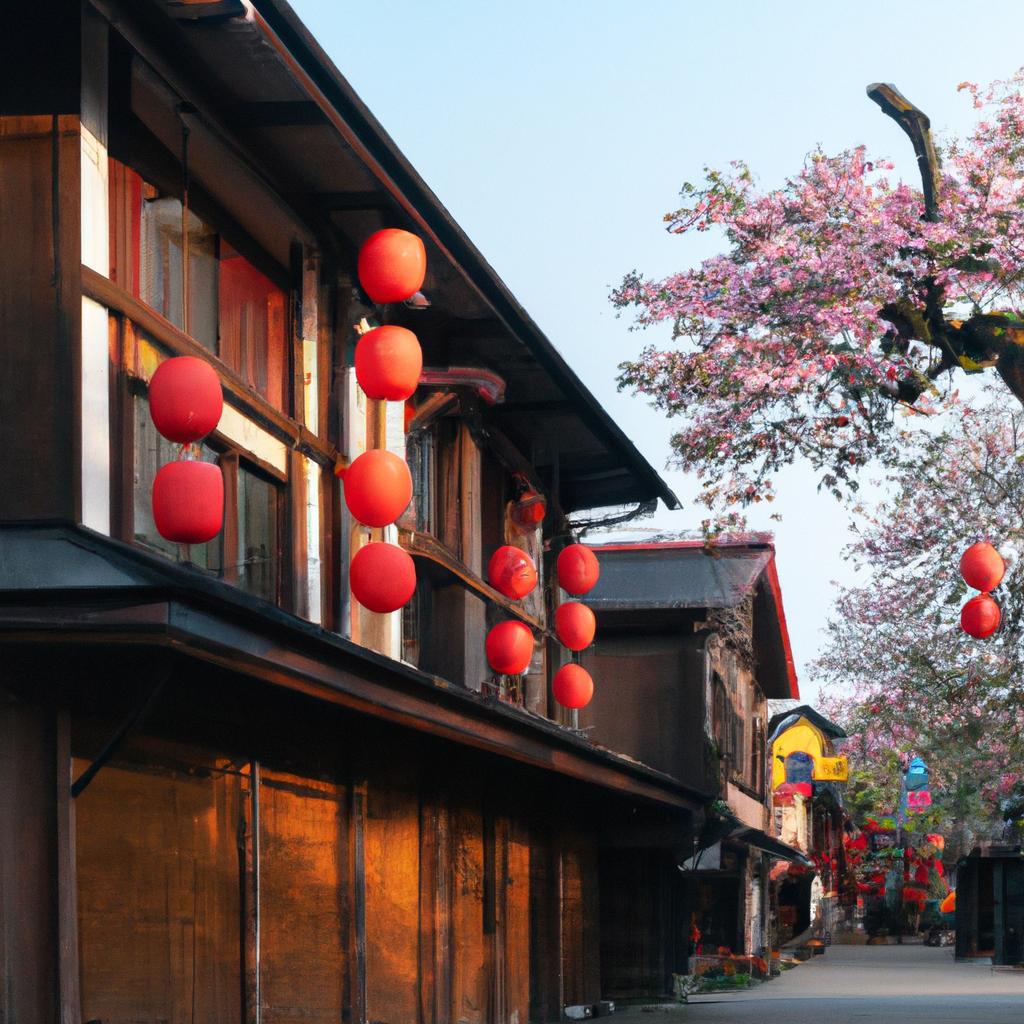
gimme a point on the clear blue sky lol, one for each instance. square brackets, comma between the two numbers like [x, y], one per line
[558, 134]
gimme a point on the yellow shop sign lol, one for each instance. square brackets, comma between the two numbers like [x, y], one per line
[831, 769]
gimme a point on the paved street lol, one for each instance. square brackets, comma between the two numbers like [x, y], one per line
[885, 984]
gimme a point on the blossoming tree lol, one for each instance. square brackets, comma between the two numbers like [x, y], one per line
[842, 297]
[904, 676]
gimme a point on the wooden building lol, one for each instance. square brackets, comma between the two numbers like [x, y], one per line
[990, 905]
[696, 643]
[227, 793]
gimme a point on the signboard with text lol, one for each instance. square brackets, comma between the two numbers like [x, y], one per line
[831, 769]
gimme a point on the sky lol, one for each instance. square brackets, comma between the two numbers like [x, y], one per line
[558, 133]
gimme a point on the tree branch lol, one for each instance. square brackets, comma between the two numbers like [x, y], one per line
[918, 127]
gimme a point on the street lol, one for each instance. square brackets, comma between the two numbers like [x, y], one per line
[908, 984]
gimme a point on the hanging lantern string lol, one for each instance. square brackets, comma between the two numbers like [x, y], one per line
[182, 110]
[190, 451]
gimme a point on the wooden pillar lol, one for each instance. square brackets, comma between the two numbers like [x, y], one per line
[38, 935]
[40, 295]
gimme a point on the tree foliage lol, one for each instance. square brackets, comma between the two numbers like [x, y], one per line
[904, 677]
[842, 299]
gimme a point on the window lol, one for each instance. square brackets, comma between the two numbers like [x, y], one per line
[247, 552]
[161, 267]
[258, 535]
[757, 754]
[421, 456]
[234, 310]
[151, 452]
[252, 325]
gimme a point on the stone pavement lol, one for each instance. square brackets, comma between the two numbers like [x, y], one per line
[883, 984]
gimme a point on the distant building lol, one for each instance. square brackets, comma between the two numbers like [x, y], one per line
[807, 813]
[691, 644]
[990, 905]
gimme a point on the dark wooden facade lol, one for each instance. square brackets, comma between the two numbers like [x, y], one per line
[226, 792]
[695, 641]
[990, 905]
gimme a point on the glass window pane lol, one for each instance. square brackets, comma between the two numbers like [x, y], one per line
[151, 452]
[252, 326]
[258, 544]
[160, 270]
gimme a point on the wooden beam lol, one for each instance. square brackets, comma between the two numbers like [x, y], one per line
[354, 201]
[387, 690]
[280, 114]
[240, 395]
[424, 546]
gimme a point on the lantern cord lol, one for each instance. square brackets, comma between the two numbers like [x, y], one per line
[124, 730]
[182, 110]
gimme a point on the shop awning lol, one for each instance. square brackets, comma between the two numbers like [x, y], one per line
[773, 847]
[708, 858]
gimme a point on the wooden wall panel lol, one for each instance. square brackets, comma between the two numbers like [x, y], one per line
[392, 872]
[512, 922]
[632, 675]
[644, 927]
[470, 984]
[302, 899]
[159, 897]
[581, 982]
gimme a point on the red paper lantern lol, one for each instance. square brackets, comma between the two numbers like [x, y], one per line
[382, 577]
[409, 414]
[185, 399]
[188, 502]
[982, 567]
[572, 686]
[575, 625]
[980, 617]
[578, 569]
[509, 648]
[378, 487]
[529, 510]
[511, 572]
[389, 361]
[392, 265]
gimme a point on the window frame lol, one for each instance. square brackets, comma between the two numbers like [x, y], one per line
[230, 458]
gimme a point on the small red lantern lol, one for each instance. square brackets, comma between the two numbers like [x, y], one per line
[509, 648]
[185, 399]
[409, 415]
[980, 617]
[575, 625]
[188, 502]
[382, 577]
[982, 567]
[392, 265]
[529, 510]
[572, 686]
[511, 572]
[389, 361]
[578, 569]
[378, 487]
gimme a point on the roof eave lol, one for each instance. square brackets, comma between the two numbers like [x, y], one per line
[398, 175]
